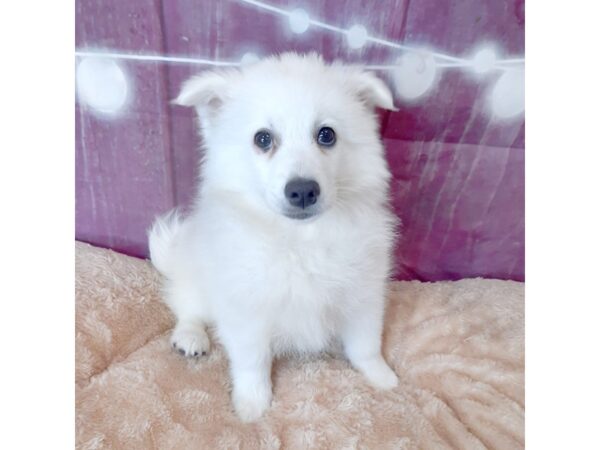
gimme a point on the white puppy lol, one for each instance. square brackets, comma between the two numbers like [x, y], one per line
[289, 243]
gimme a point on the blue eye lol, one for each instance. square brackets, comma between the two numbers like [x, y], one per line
[326, 137]
[263, 140]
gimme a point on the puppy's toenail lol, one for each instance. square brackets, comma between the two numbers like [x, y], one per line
[174, 345]
[181, 351]
[203, 353]
[195, 353]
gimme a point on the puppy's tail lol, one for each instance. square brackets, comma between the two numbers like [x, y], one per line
[161, 237]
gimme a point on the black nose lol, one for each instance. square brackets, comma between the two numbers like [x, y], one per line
[302, 192]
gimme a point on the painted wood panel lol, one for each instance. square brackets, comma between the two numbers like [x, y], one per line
[123, 162]
[458, 174]
[462, 210]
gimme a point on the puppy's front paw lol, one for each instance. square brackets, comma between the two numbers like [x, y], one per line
[378, 373]
[382, 377]
[190, 340]
[251, 406]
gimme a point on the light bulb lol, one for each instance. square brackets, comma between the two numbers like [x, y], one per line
[101, 85]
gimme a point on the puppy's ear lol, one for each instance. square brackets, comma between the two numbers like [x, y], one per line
[373, 91]
[206, 92]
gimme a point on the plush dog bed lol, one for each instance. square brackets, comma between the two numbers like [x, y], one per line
[457, 347]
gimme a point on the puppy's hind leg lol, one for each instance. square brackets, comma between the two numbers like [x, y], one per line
[189, 336]
[181, 285]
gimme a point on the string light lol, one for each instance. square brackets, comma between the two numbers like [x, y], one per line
[359, 32]
[299, 21]
[357, 36]
[102, 85]
[154, 58]
[414, 73]
[507, 97]
[484, 60]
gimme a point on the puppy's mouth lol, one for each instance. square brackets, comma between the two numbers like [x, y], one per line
[301, 214]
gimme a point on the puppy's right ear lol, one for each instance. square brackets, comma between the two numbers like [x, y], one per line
[206, 92]
[373, 91]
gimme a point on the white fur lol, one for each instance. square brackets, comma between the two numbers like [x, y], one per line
[271, 284]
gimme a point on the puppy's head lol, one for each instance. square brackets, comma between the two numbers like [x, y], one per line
[292, 134]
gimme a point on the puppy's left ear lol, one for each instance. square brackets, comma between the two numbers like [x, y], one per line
[373, 91]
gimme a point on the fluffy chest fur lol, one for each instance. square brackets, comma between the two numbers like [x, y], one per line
[298, 282]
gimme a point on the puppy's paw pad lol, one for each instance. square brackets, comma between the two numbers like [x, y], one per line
[191, 343]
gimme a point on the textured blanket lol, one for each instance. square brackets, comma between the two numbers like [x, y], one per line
[457, 347]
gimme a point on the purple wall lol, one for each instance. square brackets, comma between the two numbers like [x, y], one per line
[458, 172]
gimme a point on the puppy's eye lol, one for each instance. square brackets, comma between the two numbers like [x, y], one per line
[326, 137]
[263, 140]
